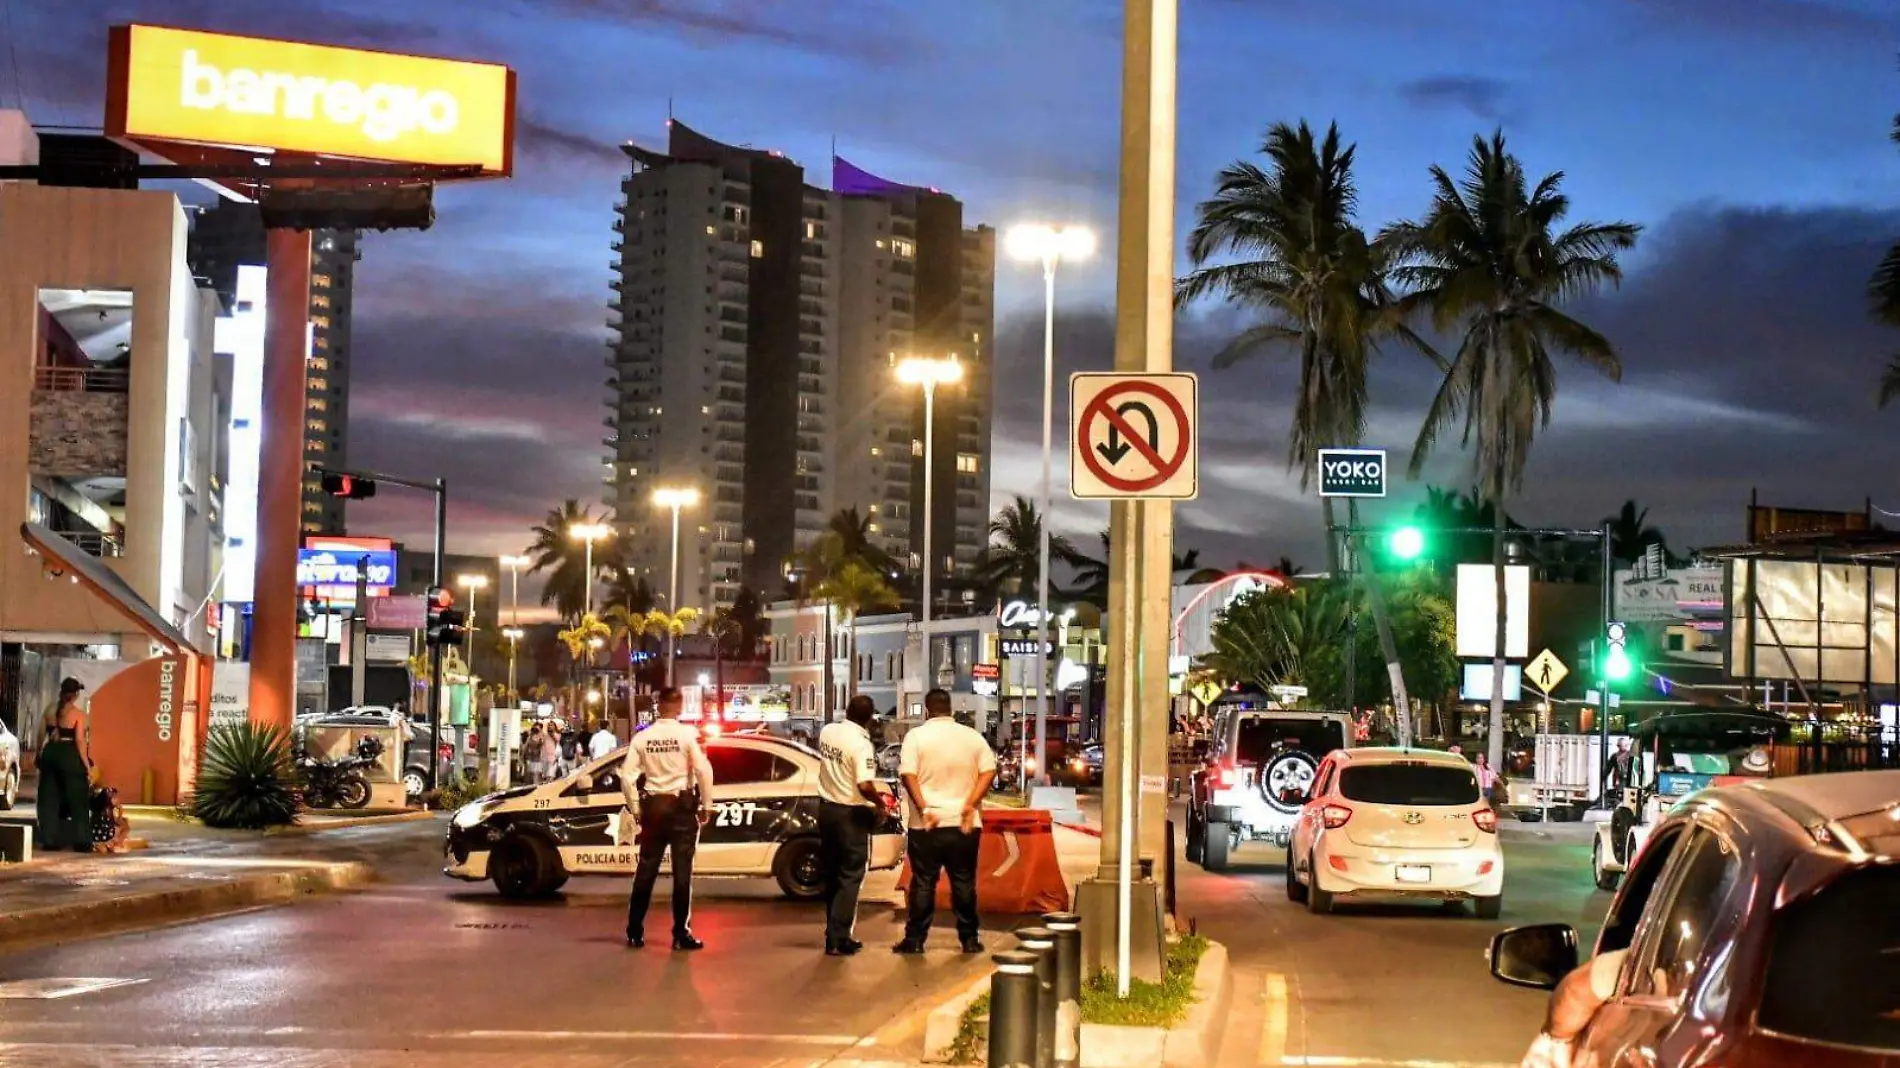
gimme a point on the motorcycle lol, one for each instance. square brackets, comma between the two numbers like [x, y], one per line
[338, 783]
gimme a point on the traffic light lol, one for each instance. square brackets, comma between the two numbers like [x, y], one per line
[447, 624]
[1617, 664]
[348, 487]
[1407, 543]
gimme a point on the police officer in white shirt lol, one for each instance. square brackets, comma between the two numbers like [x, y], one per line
[669, 781]
[849, 802]
[946, 768]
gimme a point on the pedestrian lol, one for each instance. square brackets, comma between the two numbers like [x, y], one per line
[65, 799]
[532, 752]
[602, 743]
[551, 753]
[668, 781]
[849, 802]
[946, 768]
[1487, 775]
[1622, 772]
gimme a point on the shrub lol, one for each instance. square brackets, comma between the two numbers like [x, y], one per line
[246, 779]
[456, 791]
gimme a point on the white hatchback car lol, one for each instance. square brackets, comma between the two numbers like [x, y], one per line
[1387, 822]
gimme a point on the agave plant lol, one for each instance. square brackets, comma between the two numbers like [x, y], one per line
[246, 778]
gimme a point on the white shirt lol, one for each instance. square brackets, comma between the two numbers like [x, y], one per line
[669, 755]
[946, 758]
[602, 743]
[846, 758]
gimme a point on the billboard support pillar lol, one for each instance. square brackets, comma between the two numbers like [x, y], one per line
[280, 479]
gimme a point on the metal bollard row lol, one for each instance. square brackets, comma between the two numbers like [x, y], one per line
[1036, 997]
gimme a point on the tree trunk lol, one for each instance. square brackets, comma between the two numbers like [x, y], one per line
[1388, 646]
[1494, 744]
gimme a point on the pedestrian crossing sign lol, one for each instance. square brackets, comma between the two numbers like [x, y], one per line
[1546, 672]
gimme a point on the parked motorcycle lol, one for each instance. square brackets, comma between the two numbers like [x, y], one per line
[338, 783]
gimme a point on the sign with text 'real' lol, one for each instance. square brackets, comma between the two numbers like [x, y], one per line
[223, 90]
[1133, 436]
[1352, 472]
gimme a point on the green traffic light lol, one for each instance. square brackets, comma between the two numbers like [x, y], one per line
[1408, 543]
[1617, 666]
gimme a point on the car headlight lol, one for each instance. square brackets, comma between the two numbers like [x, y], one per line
[471, 814]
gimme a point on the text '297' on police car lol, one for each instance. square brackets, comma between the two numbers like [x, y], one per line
[531, 839]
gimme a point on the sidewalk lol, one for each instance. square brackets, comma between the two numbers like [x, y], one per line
[186, 872]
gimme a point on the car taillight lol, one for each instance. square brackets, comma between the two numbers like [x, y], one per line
[1335, 816]
[1486, 819]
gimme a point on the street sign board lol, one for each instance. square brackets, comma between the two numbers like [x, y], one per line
[1546, 672]
[1352, 472]
[1133, 436]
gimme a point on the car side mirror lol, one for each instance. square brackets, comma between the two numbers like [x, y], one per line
[1538, 956]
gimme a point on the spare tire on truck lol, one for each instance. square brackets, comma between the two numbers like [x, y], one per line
[1287, 769]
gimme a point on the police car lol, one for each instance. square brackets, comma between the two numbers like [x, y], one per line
[531, 839]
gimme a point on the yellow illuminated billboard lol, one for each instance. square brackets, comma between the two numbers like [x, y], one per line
[255, 93]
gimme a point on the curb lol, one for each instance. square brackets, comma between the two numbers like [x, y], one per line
[415, 816]
[1081, 828]
[946, 1020]
[115, 915]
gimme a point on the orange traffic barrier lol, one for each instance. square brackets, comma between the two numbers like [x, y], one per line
[1016, 868]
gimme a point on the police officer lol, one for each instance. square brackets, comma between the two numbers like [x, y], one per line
[669, 781]
[848, 804]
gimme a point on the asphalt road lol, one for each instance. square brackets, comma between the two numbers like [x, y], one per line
[424, 971]
[1383, 986]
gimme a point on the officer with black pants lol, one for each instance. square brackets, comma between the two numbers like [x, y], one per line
[946, 769]
[669, 781]
[849, 803]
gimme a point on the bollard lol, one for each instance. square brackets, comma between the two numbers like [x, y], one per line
[1067, 928]
[1013, 998]
[1042, 942]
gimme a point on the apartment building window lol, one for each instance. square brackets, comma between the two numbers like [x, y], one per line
[890, 667]
[758, 249]
[312, 508]
[318, 425]
[321, 322]
[318, 404]
[316, 445]
[320, 281]
[319, 300]
[916, 446]
[902, 247]
[318, 363]
[320, 383]
[966, 463]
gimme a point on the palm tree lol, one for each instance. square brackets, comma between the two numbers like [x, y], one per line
[1012, 562]
[1306, 265]
[852, 589]
[564, 558]
[627, 623]
[1286, 568]
[1487, 260]
[581, 638]
[1091, 575]
[748, 612]
[1630, 534]
[1884, 294]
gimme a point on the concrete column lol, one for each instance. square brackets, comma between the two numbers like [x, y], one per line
[280, 479]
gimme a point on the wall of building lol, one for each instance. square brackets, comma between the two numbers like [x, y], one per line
[107, 239]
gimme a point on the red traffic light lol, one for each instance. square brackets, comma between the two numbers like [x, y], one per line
[440, 597]
[349, 487]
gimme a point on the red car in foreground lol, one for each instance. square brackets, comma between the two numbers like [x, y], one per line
[1760, 926]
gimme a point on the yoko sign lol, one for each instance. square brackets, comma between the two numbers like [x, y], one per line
[1352, 472]
[252, 92]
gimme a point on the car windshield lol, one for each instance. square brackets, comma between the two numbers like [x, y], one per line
[1409, 784]
[1834, 971]
[1260, 737]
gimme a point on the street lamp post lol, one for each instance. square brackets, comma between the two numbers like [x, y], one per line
[674, 499]
[589, 533]
[474, 584]
[514, 636]
[929, 374]
[514, 564]
[1049, 246]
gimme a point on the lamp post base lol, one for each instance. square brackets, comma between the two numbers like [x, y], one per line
[1097, 900]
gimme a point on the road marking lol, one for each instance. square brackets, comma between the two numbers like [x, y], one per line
[49, 989]
[648, 1036]
[1298, 1061]
[1310, 1061]
[1273, 1021]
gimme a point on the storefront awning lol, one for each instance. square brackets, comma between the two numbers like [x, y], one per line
[108, 586]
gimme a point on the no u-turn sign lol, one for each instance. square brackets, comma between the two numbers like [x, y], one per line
[1133, 436]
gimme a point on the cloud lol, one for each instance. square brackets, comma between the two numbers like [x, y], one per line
[1482, 97]
[1851, 19]
[837, 28]
[554, 144]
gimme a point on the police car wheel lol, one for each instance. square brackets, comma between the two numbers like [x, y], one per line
[796, 867]
[522, 867]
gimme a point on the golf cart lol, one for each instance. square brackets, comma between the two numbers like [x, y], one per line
[1678, 753]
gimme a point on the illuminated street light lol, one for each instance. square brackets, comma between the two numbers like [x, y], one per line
[1049, 246]
[674, 498]
[514, 636]
[1408, 543]
[474, 584]
[589, 533]
[928, 373]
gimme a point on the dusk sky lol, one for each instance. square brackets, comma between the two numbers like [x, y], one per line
[1749, 137]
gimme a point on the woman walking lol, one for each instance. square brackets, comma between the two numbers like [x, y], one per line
[65, 799]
